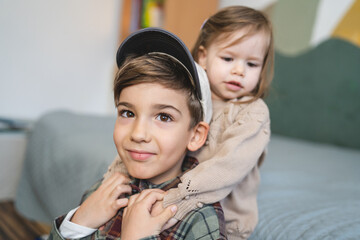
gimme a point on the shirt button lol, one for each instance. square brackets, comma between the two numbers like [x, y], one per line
[187, 197]
[199, 205]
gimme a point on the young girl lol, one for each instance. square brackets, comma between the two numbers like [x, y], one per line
[235, 47]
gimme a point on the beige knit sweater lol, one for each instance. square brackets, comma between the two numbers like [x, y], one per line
[228, 169]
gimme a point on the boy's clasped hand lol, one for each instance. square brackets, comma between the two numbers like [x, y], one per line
[104, 203]
[153, 216]
[142, 211]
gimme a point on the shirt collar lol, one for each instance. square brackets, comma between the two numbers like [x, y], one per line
[140, 184]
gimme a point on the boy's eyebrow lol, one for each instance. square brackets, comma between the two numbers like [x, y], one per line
[164, 106]
[126, 104]
[156, 106]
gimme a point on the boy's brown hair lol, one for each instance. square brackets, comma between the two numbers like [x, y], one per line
[228, 20]
[163, 69]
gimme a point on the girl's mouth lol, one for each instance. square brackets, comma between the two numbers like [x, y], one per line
[233, 85]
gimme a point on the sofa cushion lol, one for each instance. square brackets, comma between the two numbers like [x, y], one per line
[316, 95]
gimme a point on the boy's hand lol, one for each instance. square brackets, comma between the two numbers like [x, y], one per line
[104, 203]
[157, 209]
[138, 221]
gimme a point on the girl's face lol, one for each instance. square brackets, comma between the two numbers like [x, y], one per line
[234, 69]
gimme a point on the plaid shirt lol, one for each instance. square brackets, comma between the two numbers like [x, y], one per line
[203, 223]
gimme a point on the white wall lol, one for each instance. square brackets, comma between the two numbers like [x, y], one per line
[57, 54]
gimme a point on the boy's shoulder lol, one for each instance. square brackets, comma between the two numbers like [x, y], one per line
[201, 222]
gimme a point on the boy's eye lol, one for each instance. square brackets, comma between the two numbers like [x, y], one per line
[227, 59]
[126, 114]
[163, 117]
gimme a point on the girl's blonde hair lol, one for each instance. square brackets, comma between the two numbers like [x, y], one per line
[228, 20]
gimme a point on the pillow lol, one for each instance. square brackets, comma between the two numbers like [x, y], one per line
[316, 95]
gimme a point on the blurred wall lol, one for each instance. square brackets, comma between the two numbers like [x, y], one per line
[315, 90]
[258, 4]
[57, 54]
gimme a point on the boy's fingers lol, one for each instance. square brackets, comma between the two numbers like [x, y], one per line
[122, 202]
[169, 224]
[115, 179]
[148, 197]
[166, 215]
[120, 179]
[125, 211]
[120, 189]
[132, 199]
[144, 194]
[110, 180]
[151, 198]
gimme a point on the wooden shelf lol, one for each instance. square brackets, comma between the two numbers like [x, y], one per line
[183, 18]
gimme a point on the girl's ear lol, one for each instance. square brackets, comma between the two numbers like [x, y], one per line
[202, 54]
[199, 135]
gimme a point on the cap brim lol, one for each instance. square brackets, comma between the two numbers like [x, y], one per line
[149, 40]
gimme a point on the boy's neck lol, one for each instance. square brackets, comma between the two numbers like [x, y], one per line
[141, 184]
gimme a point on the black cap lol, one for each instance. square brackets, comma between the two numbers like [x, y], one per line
[149, 40]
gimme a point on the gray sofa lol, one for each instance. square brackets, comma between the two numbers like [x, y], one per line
[308, 191]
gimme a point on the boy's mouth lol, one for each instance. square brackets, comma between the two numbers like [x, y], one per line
[140, 155]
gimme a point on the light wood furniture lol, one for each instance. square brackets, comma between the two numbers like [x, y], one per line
[181, 17]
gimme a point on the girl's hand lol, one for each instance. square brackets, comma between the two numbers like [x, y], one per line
[104, 203]
[138, 222]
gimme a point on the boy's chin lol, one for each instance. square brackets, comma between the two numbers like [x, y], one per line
[137, 173]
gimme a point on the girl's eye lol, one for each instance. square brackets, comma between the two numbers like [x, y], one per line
[227, 59]
[163, 117]
[126, 114]
[251, 64]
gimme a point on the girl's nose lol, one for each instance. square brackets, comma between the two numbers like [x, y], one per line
[140, 132]
[238, 69]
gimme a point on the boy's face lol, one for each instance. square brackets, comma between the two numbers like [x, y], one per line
[152, 131]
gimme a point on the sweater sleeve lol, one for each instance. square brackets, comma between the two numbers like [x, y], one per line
[237, 151]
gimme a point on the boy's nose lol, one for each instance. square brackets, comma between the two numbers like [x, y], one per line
[140, 131]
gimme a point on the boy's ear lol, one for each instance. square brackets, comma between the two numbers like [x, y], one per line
[199, 135]
[202, 54]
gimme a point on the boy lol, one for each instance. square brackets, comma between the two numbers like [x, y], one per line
[161, 105]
